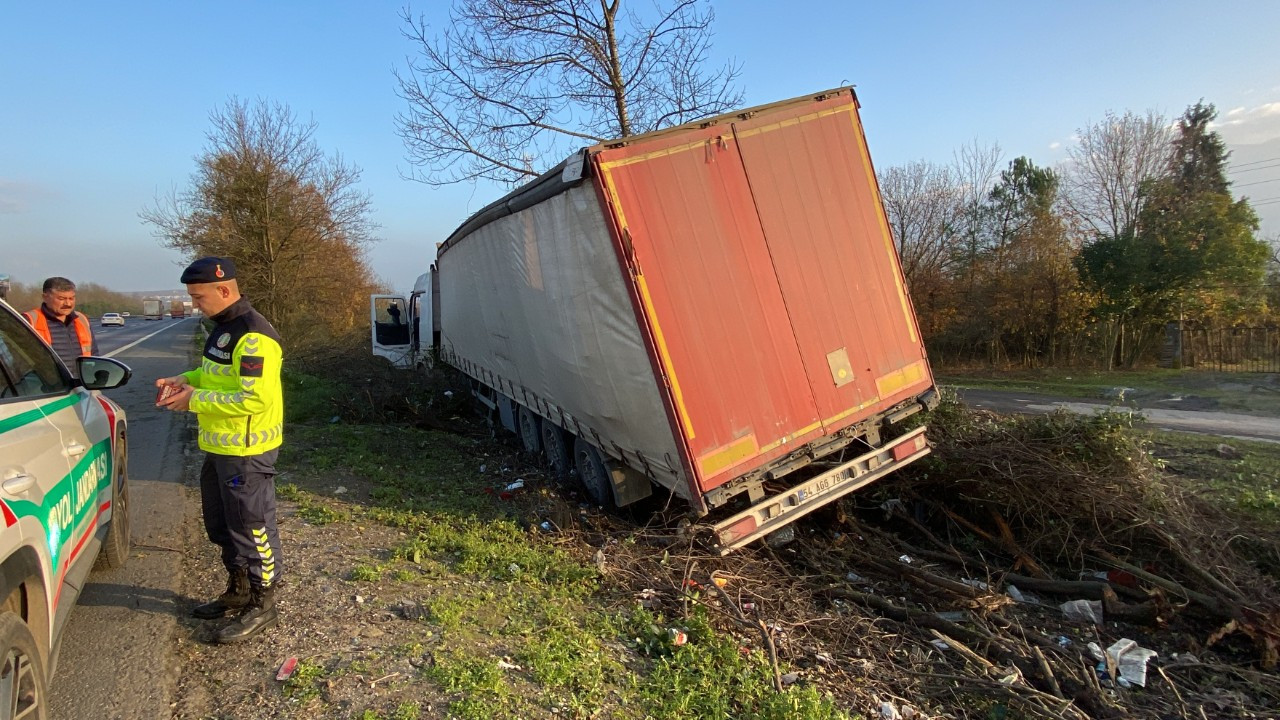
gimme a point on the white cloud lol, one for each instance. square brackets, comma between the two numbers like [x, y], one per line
[1055, 145]
[1250, 125]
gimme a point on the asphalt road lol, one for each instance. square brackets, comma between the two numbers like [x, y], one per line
[117, 656]
[1251, 427]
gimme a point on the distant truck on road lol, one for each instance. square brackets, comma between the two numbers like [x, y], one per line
[717, 309]
[152, 308]
[177, 309]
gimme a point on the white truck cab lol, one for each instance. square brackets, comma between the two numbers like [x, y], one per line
[405, 331]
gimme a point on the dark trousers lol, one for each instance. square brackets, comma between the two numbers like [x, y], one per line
[238, 499]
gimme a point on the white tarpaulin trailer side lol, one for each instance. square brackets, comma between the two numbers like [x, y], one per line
[535, 304]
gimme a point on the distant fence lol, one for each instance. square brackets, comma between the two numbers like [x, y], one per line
[1224, 349]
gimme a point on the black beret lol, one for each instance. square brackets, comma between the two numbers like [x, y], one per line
[208, 270]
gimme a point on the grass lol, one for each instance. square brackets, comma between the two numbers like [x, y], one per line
[519, 624]
[1239, 392]
[308, 398]
[1240, 476]
[304, 684]
[403, 711]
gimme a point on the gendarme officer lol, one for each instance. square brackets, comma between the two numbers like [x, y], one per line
[237, 397]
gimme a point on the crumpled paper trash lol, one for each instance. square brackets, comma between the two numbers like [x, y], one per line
[1129, 658]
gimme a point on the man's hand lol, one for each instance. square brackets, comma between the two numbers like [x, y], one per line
[173, 387]
[180, 401]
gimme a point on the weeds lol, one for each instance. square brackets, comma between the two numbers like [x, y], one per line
[304, 684]
[519, 613]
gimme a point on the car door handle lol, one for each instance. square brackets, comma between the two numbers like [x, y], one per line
[75, 449]
[18, 483]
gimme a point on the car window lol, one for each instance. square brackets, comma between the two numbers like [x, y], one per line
[30, 368]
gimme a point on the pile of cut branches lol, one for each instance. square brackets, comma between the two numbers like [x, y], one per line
[1060, 496]
[907, 599]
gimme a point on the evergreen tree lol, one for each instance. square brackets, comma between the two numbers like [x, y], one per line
[1199, 159]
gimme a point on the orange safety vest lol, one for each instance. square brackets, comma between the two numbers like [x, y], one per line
[36, 318]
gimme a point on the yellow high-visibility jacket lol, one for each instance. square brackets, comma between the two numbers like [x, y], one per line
[238, 396]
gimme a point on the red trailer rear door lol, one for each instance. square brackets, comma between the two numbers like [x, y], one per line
[711, 298]
[818, 204]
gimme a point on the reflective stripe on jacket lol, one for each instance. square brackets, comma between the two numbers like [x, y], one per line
[84, 335]
[238, 397]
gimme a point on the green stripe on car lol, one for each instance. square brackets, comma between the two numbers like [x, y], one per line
[37, 413]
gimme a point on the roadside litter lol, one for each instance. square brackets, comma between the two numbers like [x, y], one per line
[1129, 659]
[1083, 610]
[286, 669]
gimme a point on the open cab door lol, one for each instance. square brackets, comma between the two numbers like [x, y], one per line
[390, 334]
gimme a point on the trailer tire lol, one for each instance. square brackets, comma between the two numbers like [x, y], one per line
[530, 427]
[555, 446]
[593, 473]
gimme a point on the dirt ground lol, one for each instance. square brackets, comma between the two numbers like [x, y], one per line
[926, 637]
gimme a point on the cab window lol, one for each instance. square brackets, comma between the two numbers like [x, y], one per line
[27, 368]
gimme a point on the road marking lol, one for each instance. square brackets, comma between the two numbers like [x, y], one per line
[116, 352]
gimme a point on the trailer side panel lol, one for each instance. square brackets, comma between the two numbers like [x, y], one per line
[535, 305]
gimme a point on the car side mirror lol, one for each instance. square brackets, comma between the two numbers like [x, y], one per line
[98, 373]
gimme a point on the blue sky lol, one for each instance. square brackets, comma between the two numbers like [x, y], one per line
[104, 106]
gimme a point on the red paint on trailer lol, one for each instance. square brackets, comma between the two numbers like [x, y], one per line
[766, 280]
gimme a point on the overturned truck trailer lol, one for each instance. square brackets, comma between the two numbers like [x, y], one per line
[717, 309]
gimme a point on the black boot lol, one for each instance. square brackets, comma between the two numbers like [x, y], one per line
[258, 615]
[235, 597]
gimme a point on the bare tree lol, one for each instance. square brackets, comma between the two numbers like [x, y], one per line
[925, 208]
[508, 84]
[1107, 169]
[265, 195]
[976, 168]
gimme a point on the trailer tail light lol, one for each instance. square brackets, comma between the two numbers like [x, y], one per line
[904, 450]
[742, 528]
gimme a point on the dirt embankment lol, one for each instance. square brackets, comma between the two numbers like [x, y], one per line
[938, 594]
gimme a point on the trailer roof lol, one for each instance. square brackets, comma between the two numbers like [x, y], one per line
[573, 170]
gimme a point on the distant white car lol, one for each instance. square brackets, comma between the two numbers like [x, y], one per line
[124, 314]
[112, 319]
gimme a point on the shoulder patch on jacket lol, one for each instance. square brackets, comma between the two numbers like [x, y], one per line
[251, 366]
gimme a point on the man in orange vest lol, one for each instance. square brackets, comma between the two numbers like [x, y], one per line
[58, 322]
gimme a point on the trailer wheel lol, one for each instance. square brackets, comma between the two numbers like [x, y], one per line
[530, 428]
[556, 449]
[593, 473]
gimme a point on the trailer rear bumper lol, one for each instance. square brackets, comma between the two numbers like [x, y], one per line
[782, 509]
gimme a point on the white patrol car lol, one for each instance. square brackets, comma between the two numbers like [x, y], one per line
[63, 498]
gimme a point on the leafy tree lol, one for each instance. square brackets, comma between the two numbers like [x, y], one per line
[1024, 196]
[265, 195]
[1193, 248]
[1030, 294]
[508, 84]
[1199, 157]
[1008, 290]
